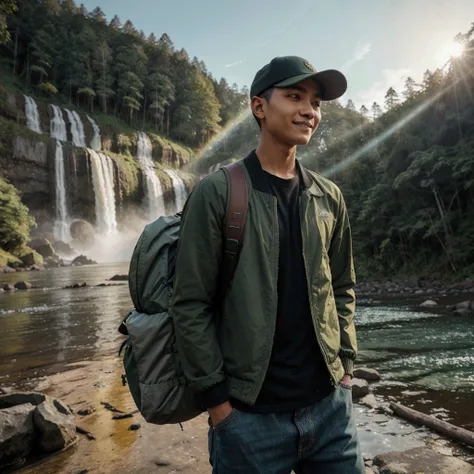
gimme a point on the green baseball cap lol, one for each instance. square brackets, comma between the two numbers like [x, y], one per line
[287, 71]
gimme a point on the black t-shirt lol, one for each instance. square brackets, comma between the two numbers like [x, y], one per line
[297, 375]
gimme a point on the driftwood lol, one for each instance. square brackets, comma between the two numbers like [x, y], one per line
[83, 431]
[444, 428]
[110, 407]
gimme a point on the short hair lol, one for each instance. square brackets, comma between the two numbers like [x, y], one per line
[267, 95]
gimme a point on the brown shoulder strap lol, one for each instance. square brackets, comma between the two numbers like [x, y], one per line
[236, 217]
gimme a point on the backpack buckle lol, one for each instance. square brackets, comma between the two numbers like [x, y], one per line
[231, 246]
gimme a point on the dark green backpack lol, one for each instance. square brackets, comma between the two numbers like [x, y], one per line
[151, 361]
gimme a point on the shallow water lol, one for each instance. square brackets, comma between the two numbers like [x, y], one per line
[43, 330]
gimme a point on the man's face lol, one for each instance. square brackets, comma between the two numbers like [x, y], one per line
[292, 114]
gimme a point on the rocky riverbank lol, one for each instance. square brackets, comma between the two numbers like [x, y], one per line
[113, 437]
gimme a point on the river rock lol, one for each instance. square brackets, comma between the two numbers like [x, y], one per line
[8, 269]
[463, 312]
[360, 388]
[365, 373]
[119, 278]
[82, 260]
[428, 304]
[17, 432]
[19, 398]
[465, 305]
[369, 401]
[55, 424]
[420, 460]
[8, 287]
[42, 246]
[23, 285]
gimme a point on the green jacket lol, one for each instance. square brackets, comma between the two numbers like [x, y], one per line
[232, 342]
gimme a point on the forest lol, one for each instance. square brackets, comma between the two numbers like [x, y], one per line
[61, 52]
[406, 169]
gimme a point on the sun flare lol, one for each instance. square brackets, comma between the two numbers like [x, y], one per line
[448, 51]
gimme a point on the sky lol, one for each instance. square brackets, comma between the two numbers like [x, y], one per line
[376, 43]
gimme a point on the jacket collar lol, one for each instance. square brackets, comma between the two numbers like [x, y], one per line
[260, 183]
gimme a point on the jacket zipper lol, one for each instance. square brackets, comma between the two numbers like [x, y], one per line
[308, 285]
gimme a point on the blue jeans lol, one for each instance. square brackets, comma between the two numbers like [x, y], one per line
[319, 439]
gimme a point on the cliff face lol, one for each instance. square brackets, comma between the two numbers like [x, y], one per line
[28, 161]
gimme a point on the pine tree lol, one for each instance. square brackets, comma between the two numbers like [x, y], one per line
[410, 88]
[376, 111]
[391, 98]
[350, 105]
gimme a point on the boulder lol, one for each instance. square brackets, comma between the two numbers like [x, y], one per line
[119, 278]
[23, 285]
[82, 260]
[365, 373]
[63, 248]
[37, 268]
[55, 425]
[19, 398]
[42, 246]
[420, 460]
[17, 432]
[8, 287]
[8, 269]
[360, 388]
[428, 304]
[465, 305]
[83, 232]
[463, 313]
[30, 257]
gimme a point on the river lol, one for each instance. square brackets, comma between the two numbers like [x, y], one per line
[43, 330]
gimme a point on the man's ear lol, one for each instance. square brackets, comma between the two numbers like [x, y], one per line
[256, 105]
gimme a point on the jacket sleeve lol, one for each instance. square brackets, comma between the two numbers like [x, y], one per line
[195, 287]
[343, 282]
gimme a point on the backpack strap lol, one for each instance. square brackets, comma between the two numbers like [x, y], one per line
[236, 217]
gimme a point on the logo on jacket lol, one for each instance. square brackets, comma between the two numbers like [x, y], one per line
[324, 214]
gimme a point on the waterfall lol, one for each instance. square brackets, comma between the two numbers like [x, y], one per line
[103, 181]
[32, 115]
[179, 189]
[154, 190]
[61, 226]
[58, 125]
[96, 141]
[77, 129]
[58, 132]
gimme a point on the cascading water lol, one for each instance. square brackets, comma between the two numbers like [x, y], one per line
[58, 125]
[179, 189]
[32, 115]
[103, 181]
[77, 129]
[154, 190]
[58, 132]
[96, 140]
[61, 226]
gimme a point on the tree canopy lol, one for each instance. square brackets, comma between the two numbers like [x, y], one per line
[62, 50]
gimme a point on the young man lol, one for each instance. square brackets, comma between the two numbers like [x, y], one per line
[272, 363]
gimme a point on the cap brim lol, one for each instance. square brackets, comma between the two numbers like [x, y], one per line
[333, 82]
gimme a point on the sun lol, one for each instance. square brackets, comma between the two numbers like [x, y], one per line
[448, 51]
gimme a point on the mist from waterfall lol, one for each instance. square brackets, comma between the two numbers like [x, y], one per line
[96, 143]
[179, 188]
[103, 182]
[153, 188]
[32, 115]
[77, 129]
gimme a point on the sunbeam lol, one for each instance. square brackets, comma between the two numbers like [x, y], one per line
[383, 136]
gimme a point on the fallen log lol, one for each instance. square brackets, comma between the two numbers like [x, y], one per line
[444, 428]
